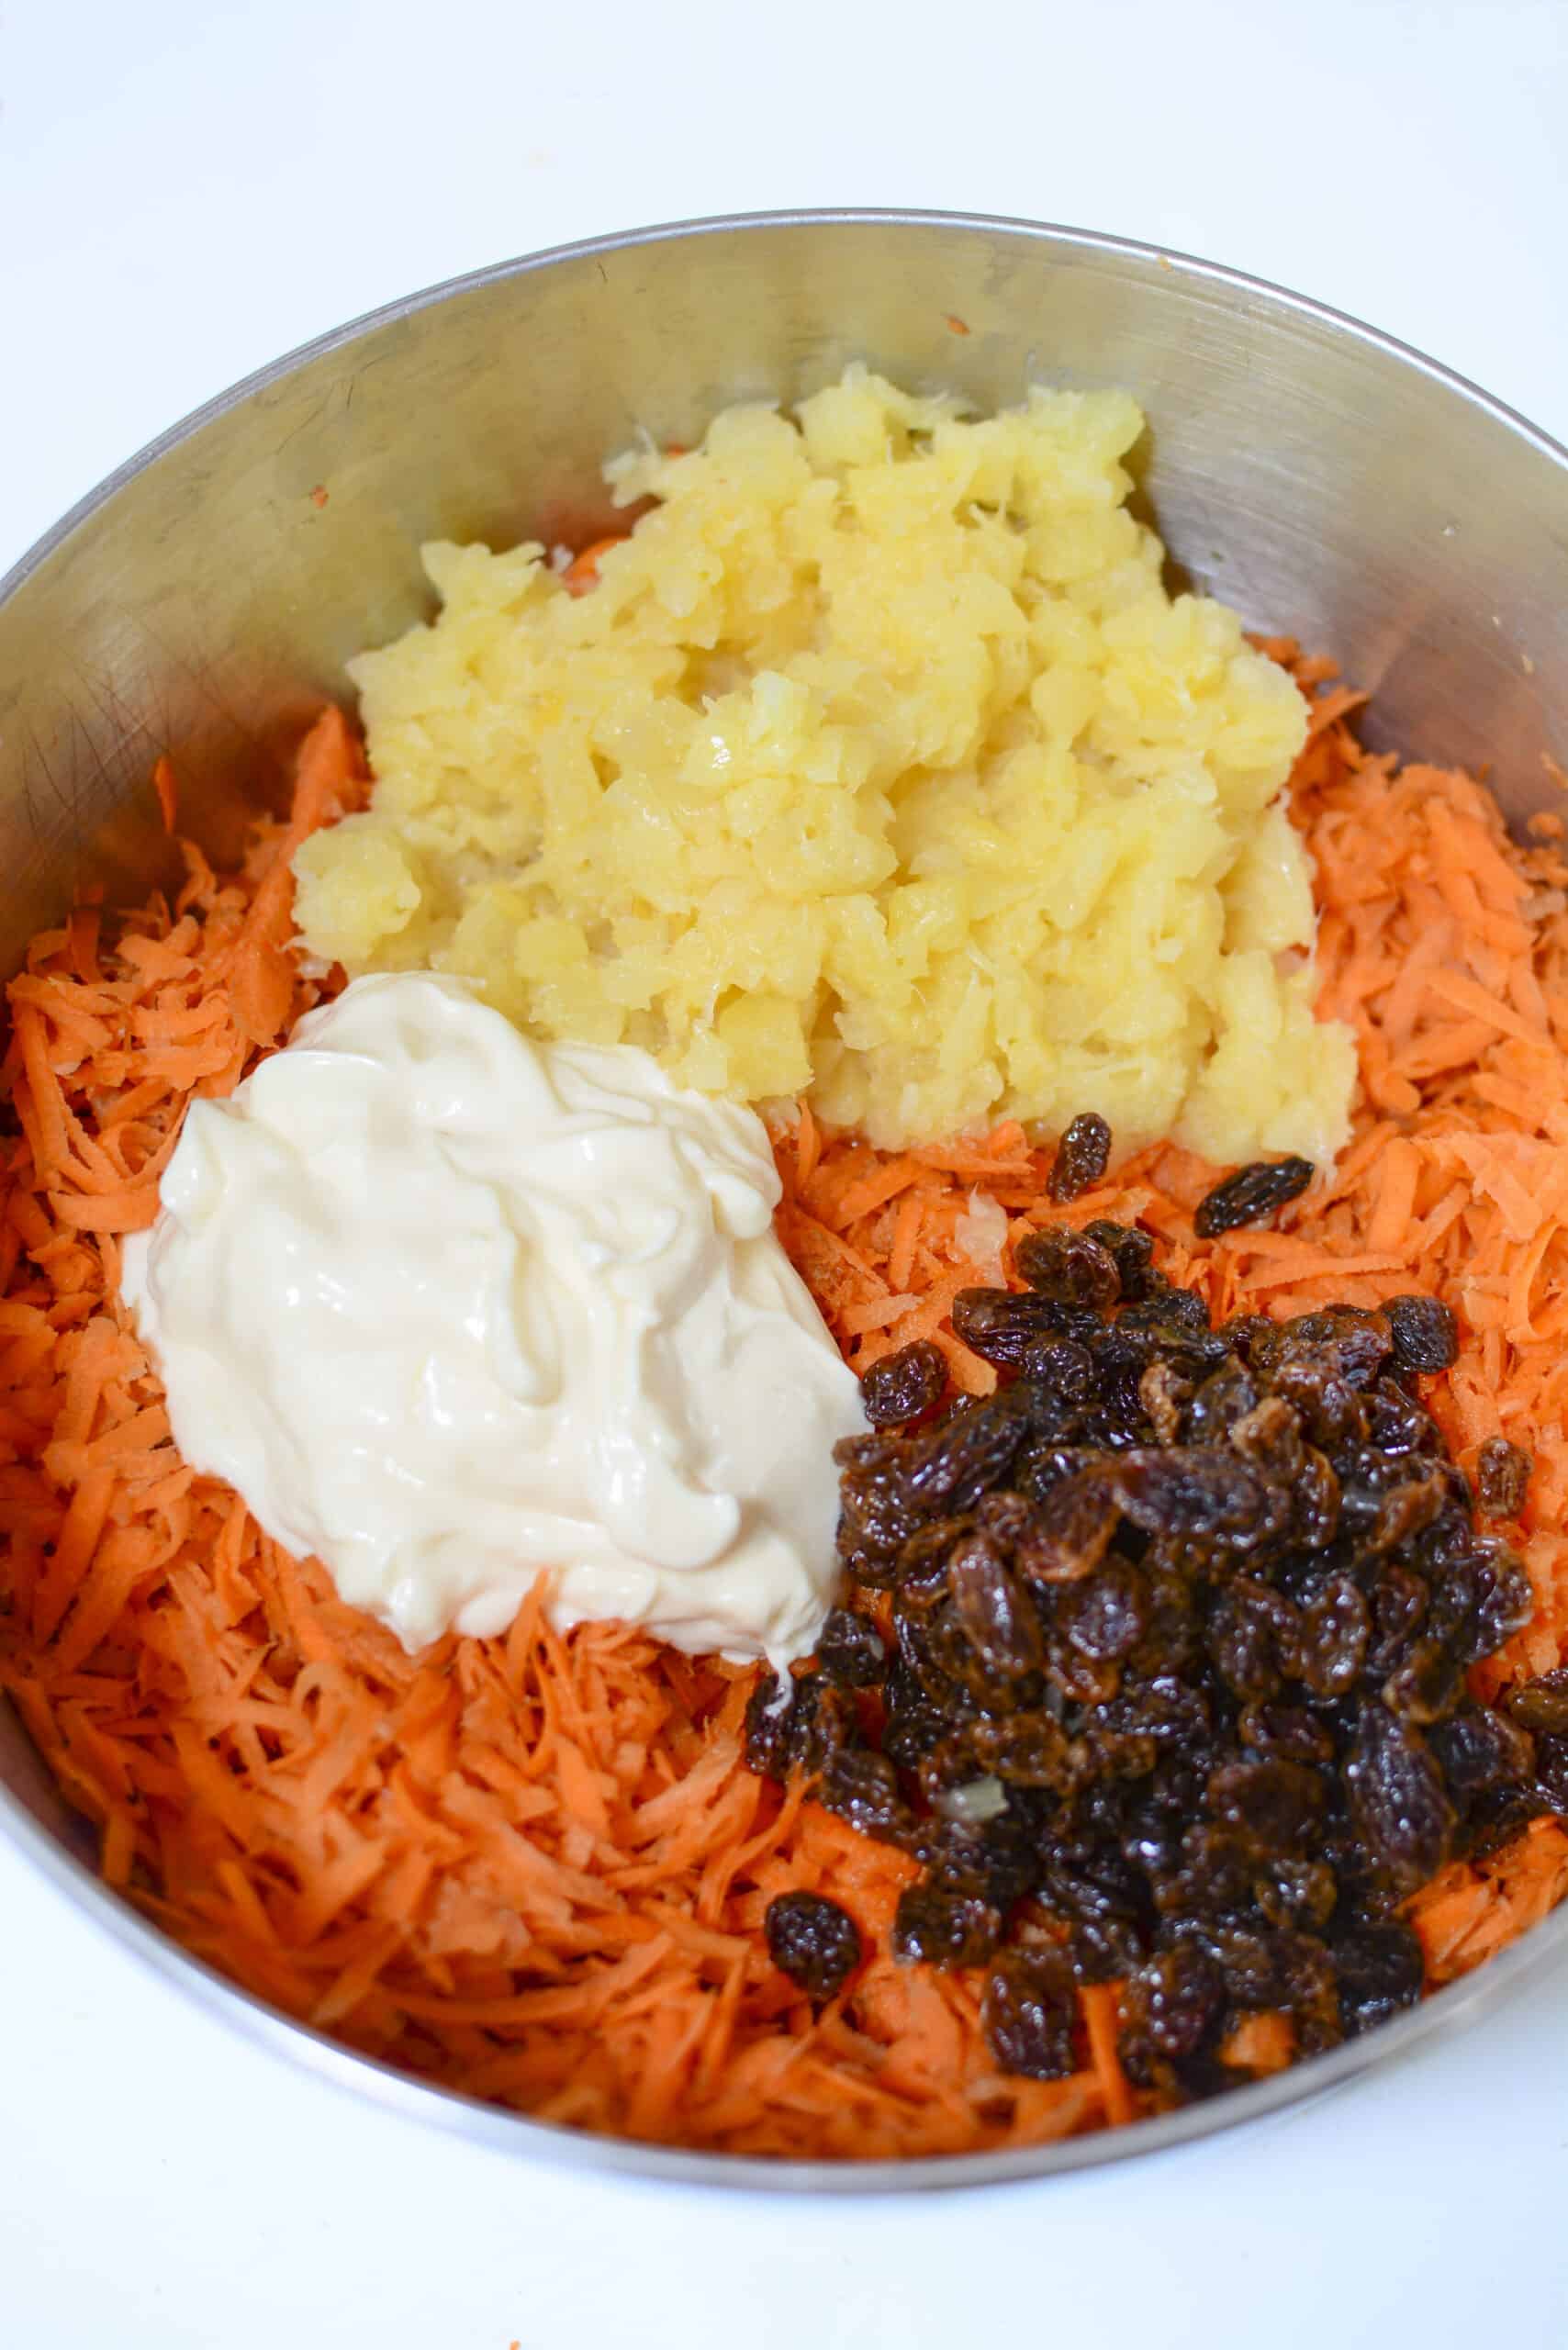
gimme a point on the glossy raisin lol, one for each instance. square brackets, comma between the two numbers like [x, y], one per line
[1132, 1253]
[862, 1787]
[1273, 1802]
[1397, 1799]
[1250, 1194]
[1029, 2012]
[1082, 1156]
[944, 1928]
[1332, 1641]
[905, 1385]
[1172, 2002]
[1380, 1973]
[1067, 1268]
[995, 1610]
[1480, 1748]
[811, 1940]
[1196, 1489]
[1028, 1750]
[1004, 1326]
[1425, 1336]
[963, 1456]
[1542, 1703]
[1105, 1615]
[1502, 1476]
[1072, 1531]
[850, 1651]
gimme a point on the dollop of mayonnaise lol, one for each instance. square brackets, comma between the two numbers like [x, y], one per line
[450, 1308]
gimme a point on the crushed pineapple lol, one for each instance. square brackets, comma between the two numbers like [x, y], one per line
[879, 763]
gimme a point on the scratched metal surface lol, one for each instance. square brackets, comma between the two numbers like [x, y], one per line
[204, 600]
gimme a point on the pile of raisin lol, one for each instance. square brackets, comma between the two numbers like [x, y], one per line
[1176, 1689]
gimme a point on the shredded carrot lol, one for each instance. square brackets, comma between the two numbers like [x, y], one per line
[1260, 2043]
[535, 1868]
[1101, 2018]
[168, 796]
[582, 572]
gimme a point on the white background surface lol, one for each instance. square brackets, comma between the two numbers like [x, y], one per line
[186, 190]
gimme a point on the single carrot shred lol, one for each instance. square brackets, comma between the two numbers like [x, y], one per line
[535, 1867]
[168, 795]
[582, 572]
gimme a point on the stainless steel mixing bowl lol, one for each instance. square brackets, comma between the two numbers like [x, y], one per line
[1325, 481]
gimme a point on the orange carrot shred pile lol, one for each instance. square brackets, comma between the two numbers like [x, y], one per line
[535, 1867]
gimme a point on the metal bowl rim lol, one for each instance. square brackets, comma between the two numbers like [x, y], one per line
[499, 2127]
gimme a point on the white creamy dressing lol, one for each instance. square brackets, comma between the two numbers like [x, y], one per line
[450, 1308]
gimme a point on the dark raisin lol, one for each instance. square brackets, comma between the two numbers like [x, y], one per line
[1290, 1733]
[1403, 1513]
[944, 1928]
[779, 1716]
[1396, 1423]
[1479, 1749]
[919, 1575]
[1332, 1641]
[1301, 1894]
[904, 1386]
[1000, 1669]
[1269, 1436]
[1029, 2011]
[1502, 1475]
[1105, 1949]
[1380, 1973]
[1271, 1802]
[1250, 1194]
[1397, 1799]
[1425, 1336]
[1504, 1601]
[963, 1456]
[850, 1651]
[1067, 1268]
[1214, 1880]
[1105, 1615]
[1172, 1638]
[1400, 1604]
[1005, 1326]
[1027, 1749]
[863, 1787]
[877, 1513]
[1196, 1489]
[1356, 1339]
[1172, 2002]
[1132, 1253]
[1328, 1406]
[1120, 1753]
[1006, 1517]
[1171, 1316]
[997, 1614]
[1082, 1156]
[1426, 1686]
[911, 1730]
[811, 1940]
[1064, 1373]
[1072, 1530]
[1225, 1397]
[1314, 1515]
[1542, 1703]
[1252, 1632]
